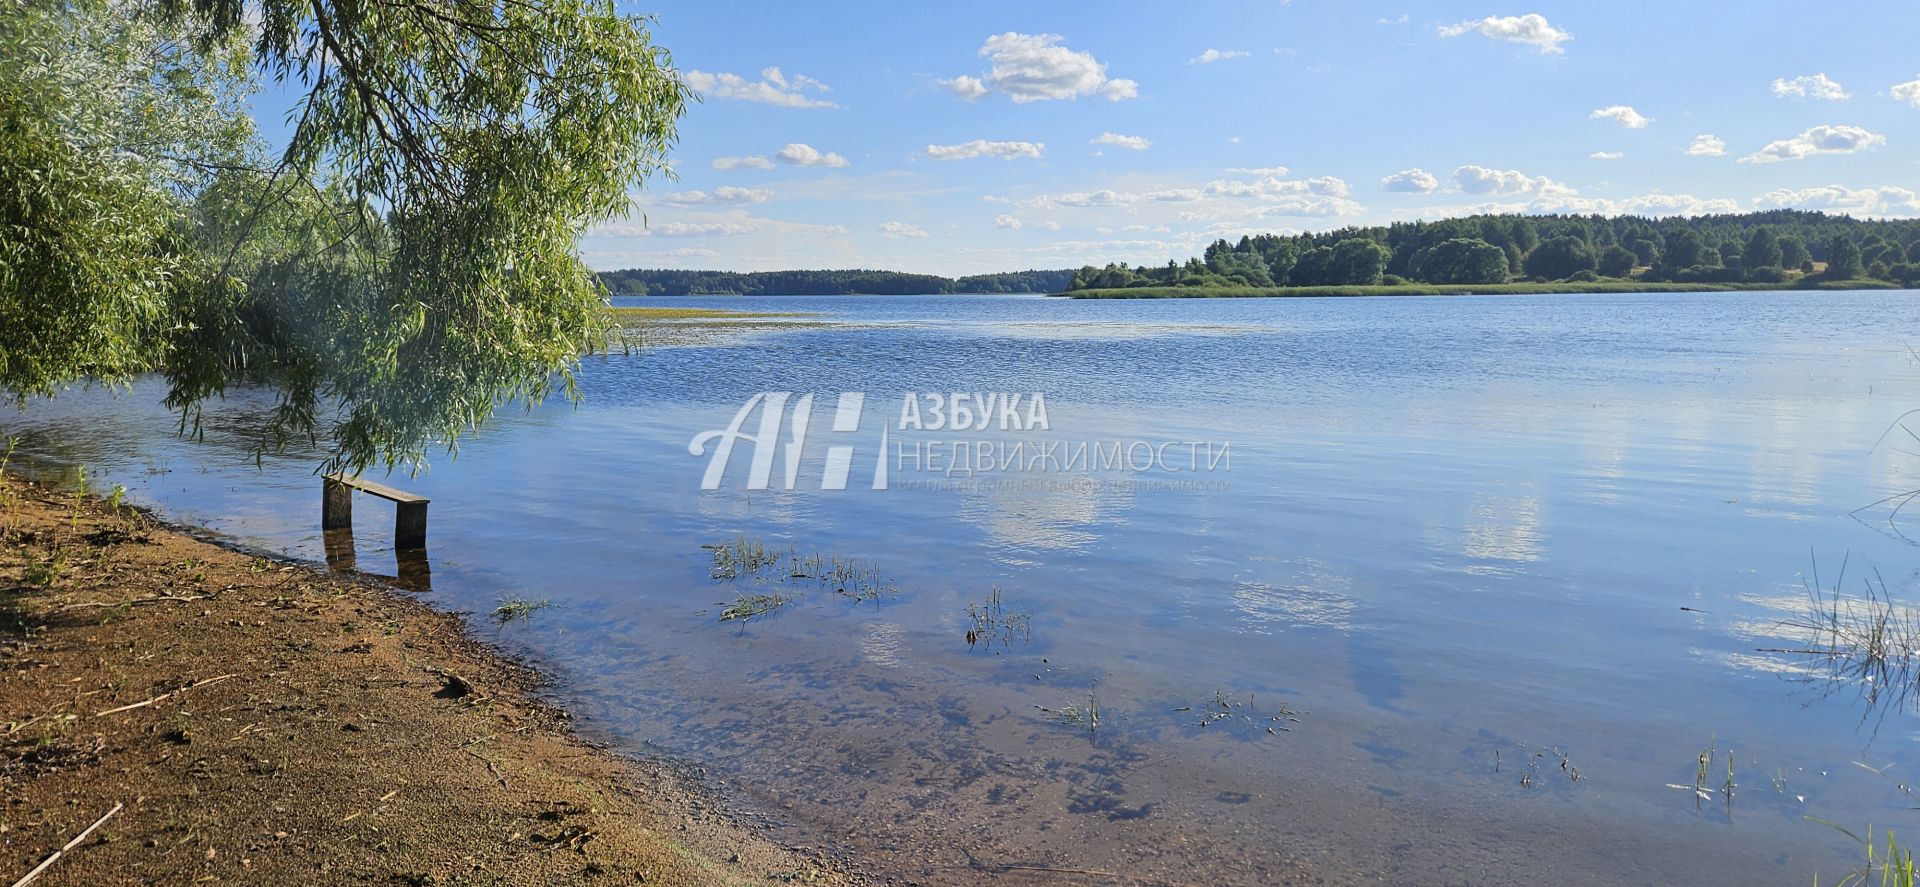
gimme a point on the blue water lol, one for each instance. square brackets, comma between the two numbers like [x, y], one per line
[1458, 549]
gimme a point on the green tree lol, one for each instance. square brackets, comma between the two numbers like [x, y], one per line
[1843, 259]
[1763, 249]
[1280, 257]
[407, 266]
[1314, 268]
[1462, 260]
[1560, 258]
[1359, 261]
[1646, 252]
[1616, 261]
[89, 198]
[1793, 252]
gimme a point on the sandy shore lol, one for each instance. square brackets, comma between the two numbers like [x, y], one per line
[257, 721]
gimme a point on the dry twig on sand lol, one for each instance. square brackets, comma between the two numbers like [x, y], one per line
[49, 861]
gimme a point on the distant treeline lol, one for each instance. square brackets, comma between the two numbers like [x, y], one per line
[1778, 247]
[669, 282]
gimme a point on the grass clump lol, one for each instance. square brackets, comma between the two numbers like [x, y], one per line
[753, 606]
[1076, 715]
[753, 560]
[514, 609]
[1224, 708]
[990, 623]
[46, 572]
[741, 557]
[1892, 868]
[1868, 643]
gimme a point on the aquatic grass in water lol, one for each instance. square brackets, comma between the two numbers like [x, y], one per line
[754, 560]
[1076, 715]
[1705, 776]
[752, 606]
[1894, 868]
[513, 609]
[1868, 643]
[989, 623]
[1223, 708]
[741, 557]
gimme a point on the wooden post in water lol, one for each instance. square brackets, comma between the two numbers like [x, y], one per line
[409, 526]
[409, 511]
[336, 505]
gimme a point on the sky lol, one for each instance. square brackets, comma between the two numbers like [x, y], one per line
[977, 137]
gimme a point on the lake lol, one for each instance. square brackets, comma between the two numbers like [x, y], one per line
[1453, 590]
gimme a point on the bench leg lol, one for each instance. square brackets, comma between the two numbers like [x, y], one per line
[340, 554]
[409, 526]
[336, 505]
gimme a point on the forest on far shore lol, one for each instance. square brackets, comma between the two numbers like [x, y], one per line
[1772, 248]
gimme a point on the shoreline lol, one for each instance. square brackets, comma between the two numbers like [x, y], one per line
[1492, 289]
[261, 720]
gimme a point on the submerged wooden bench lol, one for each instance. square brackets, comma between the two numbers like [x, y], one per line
[409, 512]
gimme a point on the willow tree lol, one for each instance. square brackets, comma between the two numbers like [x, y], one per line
[404, 268]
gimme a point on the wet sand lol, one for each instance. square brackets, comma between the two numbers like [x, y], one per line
[251, 720]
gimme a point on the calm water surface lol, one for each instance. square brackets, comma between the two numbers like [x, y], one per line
[1463, 548]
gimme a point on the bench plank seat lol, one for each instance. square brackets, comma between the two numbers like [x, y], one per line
[378, 489]
[409, 510]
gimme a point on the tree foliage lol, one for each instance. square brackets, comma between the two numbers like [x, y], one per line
[1461, 260]
[1560, 258]
[1765, 247]
[1616, 261]
[404, 268]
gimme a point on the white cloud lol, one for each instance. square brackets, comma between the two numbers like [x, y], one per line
[1006, 221]
[1908, 92]
[1531, 29]
[1273, 171]
[722, 194]
[1268, 196]
[900, 230]
[1707, 145]
[1624, 115]
[1814, 86]
[969, 88]
[1818, 140]
[1034, 67]
[752, 162]
[1505, 182]
[1557, 198]
[1888, 201]
[1133, 143]
[1217, 55]
[797, 154]
[1410, 181]
[714, 224]
[1607, 155]
[773, 88]
[984, 148]
[1394, 21]
[1659, 204]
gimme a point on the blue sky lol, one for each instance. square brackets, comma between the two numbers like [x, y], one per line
[962, 138]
